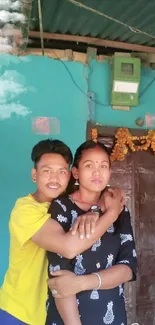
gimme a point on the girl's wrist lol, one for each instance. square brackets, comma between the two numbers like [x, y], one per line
[88, 282]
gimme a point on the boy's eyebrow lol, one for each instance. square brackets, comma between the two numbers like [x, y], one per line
[46, 166]
[64, 168]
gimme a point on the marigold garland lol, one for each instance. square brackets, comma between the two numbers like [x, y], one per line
[94, 134]
[125, 140]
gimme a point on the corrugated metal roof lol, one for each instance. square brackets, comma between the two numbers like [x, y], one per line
[61, 16]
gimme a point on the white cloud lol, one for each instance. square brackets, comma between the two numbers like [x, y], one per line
[6, 110]
[13, 17]
[8, 4]
[10, 14]
[11, 86]
[4, 44]
[7, 59]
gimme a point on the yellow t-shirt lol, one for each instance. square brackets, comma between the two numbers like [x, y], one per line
[24, 290]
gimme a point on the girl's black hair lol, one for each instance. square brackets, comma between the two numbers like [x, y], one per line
[90, 144]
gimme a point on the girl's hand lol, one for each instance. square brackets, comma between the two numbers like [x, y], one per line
[64, 284]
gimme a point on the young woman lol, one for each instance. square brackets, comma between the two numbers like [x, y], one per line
[91, 290]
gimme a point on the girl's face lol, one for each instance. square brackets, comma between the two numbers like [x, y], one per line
[93, 171]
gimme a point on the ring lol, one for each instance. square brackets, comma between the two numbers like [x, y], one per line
[54, 292]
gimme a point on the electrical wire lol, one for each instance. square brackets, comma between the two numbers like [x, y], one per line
[147, 87]
[79, 4]
[87, 95]
[75, 83]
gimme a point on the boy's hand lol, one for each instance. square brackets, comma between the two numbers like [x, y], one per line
[85, 224]
[113, 200]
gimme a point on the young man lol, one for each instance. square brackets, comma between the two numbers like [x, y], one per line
[32, 232]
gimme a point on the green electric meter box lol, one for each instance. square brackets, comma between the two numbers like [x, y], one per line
[125, 81]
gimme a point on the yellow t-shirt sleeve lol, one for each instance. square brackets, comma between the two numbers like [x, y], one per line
[26, 219]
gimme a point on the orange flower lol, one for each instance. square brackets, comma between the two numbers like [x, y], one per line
[125, 138]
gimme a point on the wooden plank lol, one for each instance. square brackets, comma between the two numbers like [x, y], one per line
[65, 55]
[94, 41]
[91, 54]
[145, 57]
[121, 108]
[122, 54]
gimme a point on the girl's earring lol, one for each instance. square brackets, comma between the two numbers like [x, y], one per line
[76, 183]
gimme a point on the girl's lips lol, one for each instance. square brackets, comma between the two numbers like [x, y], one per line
[96, 181]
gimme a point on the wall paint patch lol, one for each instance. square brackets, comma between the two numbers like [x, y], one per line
[45, 125]
[150, 121]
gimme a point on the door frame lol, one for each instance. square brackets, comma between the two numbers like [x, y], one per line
[109, 131]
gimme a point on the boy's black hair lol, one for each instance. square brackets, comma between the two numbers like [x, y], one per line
[51, 146]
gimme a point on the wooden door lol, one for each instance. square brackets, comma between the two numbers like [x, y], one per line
[144, 170]
[123, 176]
[136, 174]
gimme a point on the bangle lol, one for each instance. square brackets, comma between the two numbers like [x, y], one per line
[99, 281]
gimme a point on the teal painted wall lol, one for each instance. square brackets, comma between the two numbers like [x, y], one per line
[43, 87]
[39, 86]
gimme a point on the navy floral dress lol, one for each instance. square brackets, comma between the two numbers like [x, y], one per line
[116, 246]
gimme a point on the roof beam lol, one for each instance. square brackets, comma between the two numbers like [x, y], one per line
[94, 41]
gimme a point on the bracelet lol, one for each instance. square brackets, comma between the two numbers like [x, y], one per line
[99, 281]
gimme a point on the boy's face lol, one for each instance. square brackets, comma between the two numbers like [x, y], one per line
[52, 175]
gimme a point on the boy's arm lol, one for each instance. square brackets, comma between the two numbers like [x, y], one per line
[30, 222]
[52, 237]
